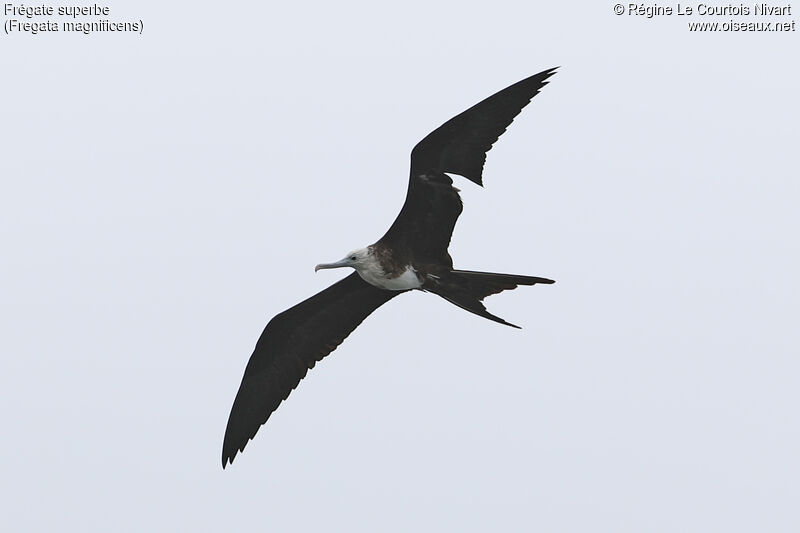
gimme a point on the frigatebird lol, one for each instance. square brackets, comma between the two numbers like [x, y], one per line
[412, 255]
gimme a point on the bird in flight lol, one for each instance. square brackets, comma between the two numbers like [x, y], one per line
[412, 255]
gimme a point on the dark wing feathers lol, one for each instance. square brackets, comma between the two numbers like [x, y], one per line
[422, 230]
[425, 224]
[290, 345]
[296, 339]
[459, 145]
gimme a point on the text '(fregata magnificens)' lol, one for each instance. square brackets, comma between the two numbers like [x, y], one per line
[412, 255]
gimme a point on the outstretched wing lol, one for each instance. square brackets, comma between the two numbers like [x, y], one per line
[290, 345]
[458, 146]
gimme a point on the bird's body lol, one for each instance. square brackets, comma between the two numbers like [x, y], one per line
[412, 255]
[375, 266]
[385, 277]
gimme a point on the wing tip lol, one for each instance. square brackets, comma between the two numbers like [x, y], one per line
[542, 78]
[228, 457]
[230, 448]
[548, 72]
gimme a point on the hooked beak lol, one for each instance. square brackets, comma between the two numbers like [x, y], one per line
[337, 264]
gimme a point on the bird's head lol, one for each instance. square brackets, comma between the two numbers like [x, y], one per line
[357, 259]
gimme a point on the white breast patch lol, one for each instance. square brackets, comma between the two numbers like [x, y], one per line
[405, 281]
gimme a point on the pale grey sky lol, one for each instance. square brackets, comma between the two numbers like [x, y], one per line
[165, 194]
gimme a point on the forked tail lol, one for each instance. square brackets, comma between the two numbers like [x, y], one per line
[467, 289]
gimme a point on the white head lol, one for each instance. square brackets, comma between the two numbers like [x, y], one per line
[358, 259]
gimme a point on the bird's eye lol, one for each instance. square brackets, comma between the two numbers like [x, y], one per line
[352, 258]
